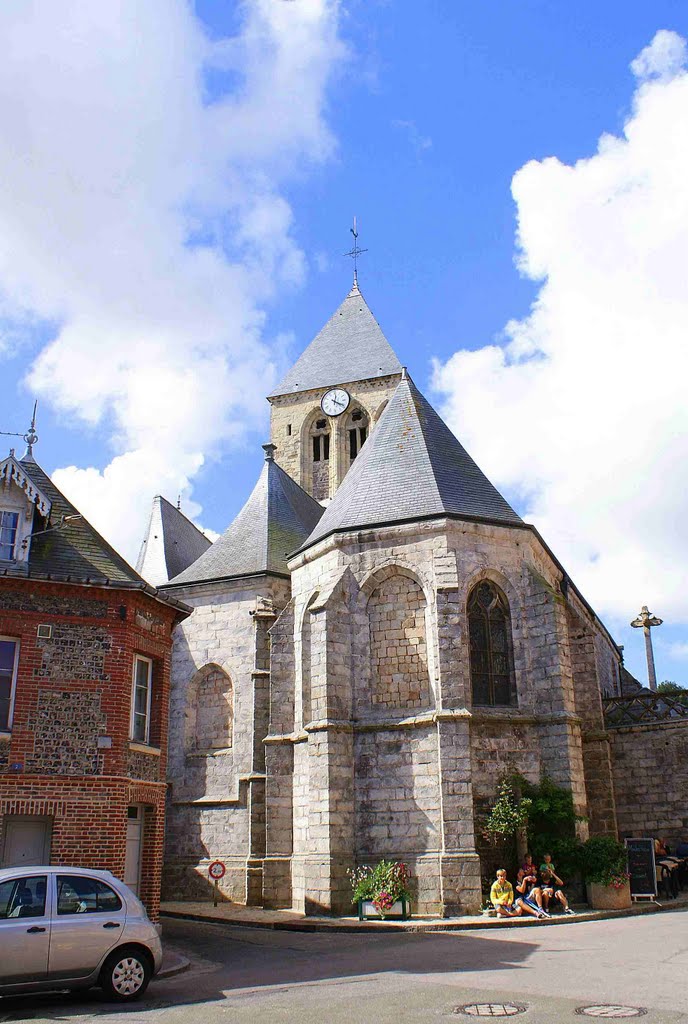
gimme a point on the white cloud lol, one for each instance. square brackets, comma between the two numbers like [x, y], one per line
[148, 222]
[663, 58]
[581, 409]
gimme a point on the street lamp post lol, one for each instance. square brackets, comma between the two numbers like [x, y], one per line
[647, 621]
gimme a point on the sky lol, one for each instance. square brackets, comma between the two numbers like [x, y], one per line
[178, 185]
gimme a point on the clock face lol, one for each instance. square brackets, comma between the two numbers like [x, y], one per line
[335, 402]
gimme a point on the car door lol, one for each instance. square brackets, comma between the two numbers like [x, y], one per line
[24, 929]
[88, 921]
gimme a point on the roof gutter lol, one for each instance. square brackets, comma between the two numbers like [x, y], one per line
[102, 583]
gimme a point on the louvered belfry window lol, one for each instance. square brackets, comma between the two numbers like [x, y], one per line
[489, 628]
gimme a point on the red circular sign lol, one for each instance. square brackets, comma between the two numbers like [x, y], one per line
[216, 870]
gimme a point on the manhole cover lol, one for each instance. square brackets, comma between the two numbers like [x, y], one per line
[611, 1010]
[490, 1009]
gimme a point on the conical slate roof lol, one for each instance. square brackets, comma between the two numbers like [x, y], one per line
[275, 521]
[171, 544]
[350, 347]
[412, 468]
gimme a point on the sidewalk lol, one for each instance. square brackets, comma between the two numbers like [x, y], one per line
[236, 915]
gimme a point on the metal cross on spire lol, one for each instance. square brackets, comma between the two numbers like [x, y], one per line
[647, 620]
[355, 252]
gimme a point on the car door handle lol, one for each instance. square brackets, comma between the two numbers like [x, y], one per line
[111, 924]
[32, 931]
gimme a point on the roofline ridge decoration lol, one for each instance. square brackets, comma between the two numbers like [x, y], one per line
[12, 472]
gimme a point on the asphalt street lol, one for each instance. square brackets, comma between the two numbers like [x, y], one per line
[246, 975]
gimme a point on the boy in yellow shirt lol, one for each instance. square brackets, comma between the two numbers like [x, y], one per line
[502, 896]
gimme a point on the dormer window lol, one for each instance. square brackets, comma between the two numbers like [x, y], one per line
[9, 525]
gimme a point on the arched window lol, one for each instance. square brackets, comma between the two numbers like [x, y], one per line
[209, 711]
[489, 628]
[357, 428]
[319, 444]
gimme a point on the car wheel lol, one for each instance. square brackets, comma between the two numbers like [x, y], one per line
[125, 974]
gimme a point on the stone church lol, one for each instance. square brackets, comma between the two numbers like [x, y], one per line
[375, 640]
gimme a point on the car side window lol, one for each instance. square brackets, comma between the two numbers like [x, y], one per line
[23, 897]
[77, 894]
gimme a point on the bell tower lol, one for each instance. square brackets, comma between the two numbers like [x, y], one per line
[323, 410]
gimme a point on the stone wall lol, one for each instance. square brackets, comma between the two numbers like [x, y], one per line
[218, 721]
[420, 782]
[398, 644]
[650, 764]
[66, 726]
[291, 417]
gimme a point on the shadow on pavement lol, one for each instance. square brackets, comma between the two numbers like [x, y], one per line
[226, 960]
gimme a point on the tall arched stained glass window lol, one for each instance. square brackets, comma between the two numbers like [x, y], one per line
[489, 628]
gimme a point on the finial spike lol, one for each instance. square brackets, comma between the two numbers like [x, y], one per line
[31, 437]
[269, 450]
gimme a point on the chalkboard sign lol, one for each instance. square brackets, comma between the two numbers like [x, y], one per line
[641, 866]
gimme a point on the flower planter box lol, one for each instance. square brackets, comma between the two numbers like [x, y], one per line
[606, 897]
[399, 911]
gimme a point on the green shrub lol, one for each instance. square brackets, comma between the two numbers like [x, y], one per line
[603, 860]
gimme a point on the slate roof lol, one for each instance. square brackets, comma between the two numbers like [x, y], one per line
[171, 544]
[350, 347]
[275, 520]
[411, 468]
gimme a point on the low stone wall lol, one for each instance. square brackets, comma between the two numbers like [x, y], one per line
[650, 765]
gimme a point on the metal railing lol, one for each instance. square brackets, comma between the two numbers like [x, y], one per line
[642, 709]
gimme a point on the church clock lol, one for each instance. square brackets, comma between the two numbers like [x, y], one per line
[335, 401]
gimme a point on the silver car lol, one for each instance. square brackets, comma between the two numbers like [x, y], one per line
[72, 928]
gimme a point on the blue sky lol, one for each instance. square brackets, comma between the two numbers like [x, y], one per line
[414, 117]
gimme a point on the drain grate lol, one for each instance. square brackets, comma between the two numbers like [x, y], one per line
[611, 1010]
[490, 1009]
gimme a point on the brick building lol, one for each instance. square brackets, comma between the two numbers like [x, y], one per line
[84, 690]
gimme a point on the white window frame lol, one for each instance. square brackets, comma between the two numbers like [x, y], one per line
[17, 533]
[149, 662]
[13, 686]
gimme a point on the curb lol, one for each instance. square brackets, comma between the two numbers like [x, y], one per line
[446, 925]
[176, 964]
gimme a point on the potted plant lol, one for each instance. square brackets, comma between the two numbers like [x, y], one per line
[381, 891]
[605, 869]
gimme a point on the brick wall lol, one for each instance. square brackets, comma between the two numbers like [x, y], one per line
[69, 754]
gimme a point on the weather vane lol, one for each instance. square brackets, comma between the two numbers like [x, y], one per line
[355, 252]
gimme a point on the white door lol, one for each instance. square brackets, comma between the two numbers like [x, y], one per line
[132, 864]
[27, 841]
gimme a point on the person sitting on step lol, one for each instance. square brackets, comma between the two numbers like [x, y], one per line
[531, 895]
[551, 888]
